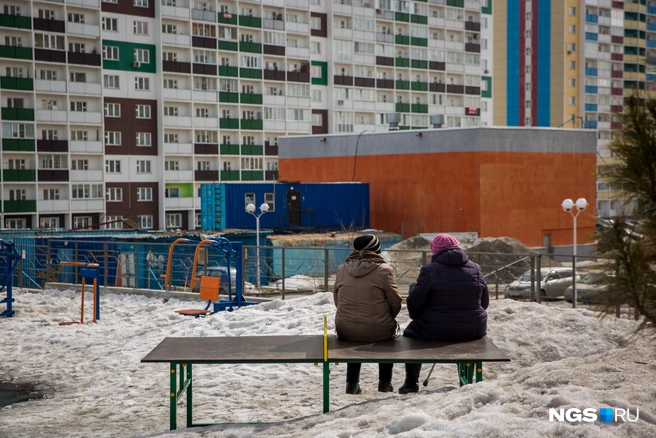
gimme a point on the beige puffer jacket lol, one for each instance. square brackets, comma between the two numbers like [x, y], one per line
[367, 298]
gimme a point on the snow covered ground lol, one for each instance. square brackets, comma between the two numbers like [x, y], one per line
[95, 385]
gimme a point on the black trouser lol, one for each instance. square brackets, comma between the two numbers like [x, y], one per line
[353, 372]
[412, 371]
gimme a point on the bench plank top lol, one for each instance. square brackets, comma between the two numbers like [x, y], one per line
[240, 349]
[404, 349]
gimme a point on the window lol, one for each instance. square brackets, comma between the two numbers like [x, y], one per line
[79, 135]
[111, 81]
[171, 84]
[75, 18]
[110, 24]
[203, 165]
[49, 222]
[49, 134]
[315, 47]
[270, 201]
[78, 106]
[113, 222]
[142, 55]
[46, 14]
[171, 111]
[47, 104]
[17, 195]
[144, 194]
[16, 164]
[572, 100]
[143, 138]
[114, 194]
[142, 111]
[572, 65]
[15, 224]
[112, 110]
[77, 47]
[169, 28]
[170, 56]
[112, 138]
[145, 221]
[143, 166]
[249, 198]
[77, 76]
[48, 75]
[50, 194]
[140, 3]
[202, 112]
[572, 11]
[110, 53]
[572, 82]
[80, 164]
[113, 166]
[140, 27]
[82, 222]
[44, 41]
[54, 162]
[141, 83]
[171, 138]
[171, 165]
[87, 191]
[572, 28]
[173, 220]
[197, 220]
[317, 119]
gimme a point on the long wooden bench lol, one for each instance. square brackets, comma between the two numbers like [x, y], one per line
[183, 353]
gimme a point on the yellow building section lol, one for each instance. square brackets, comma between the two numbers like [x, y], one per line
[567, 50]
[500, 56]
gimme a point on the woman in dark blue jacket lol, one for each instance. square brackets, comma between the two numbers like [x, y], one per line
[448, 301]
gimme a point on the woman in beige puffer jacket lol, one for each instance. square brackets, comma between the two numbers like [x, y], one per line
[367, 302]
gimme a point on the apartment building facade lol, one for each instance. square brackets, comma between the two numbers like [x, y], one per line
[122, 109]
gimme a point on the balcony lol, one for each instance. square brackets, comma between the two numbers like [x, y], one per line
[269, 49]
[175, 94]
[94, 4]
[455, 89]
[252, 175]
[473, 26]
[250, 99]
[176, 67]
[419, 86]
[50, 206]
[178, 175]
[206, 175]
[400, 16]
[176, 40]
[86, 147]
[384, 38]
[268, 23]
[402, 85]
[384, 60]
[52, 145]
[204, 69]
[206, 149]
[227, 97]
[50, 86]
[402, 39]
[177, 122]
[271, 175]
[26, 206]
[15, 21]
[252, 149]
[436, 65]
[176, 203]
[303, 28]
[471, 90]
[228, 70]
[385, 83]
[343, 80]
[84, 30]
[86, 88]
[419, 63]
[199, 14]
[229, 149]
[203, 42]
[229, 175]
[472, 111]
[206, 122]
[471, 47]
[178, 149]
[18, 144]
[270, 149]
[54, 175]
[21, 84]
[249, 21]
[274, 75]
[229, 45]
[251, 124]
[18, 114]
[87, 175]
[49, 25]
[15, 52]
[251, 73]
[293, 76]
[91, 59]
[402, 107]
[420, 42]
[18, 175]
[51, 116]
[87, 205]
[245, 46]
[228, 19]
[365, 82]
[95, 118]
[226, 123]
[402, 62]
[48, 55]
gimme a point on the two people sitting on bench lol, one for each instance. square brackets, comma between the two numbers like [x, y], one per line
[447, 303]
[367, 301]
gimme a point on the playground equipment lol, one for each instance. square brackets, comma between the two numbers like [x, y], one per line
[211, 285]
[9, 258]
[90, 270]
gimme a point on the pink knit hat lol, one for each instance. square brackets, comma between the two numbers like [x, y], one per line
[442, 241]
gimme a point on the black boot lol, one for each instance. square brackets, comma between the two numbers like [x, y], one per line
[410, 385]
[385, 386]
[353, 388]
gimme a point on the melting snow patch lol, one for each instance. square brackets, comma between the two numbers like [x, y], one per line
[408, 422]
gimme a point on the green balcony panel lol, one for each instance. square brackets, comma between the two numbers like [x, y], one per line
[419, 127]
[229, 175]
[402, 107]
[18, 144]
[419, 108]
[404, 128]
[19, 175]
[250, 21]
[252, 175]
[251, 124]
[250, 73]
[15, 21]
[419, 19]
[228, 97]
[419, 86]
[229, 123]
[402, 85]
[400, 16]
[9, 83]
[402, 62]
[15, 52]
[421, 42]
[27, 206]
[456, 3]
[18, 114]
[252, 149]
[227, 18]
[251, 98]
[228, 70]
[402, 39]
[229, 149]
[418, 63]
[229, 45]
[250, 47]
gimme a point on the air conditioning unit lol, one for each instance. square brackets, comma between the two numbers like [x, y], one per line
[486, 71]
[340, 102]
[136, 64]
[378, 11]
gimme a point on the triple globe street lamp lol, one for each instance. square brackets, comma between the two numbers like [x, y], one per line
[569, 206]
[250, 209]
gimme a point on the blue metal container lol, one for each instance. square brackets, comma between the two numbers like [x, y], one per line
[323, 206]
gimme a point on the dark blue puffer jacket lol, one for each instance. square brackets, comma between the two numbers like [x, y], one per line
[449, 300]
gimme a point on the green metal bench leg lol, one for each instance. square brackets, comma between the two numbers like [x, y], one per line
[173, 399]
[479, 371]
[326, 387]
[190, 404]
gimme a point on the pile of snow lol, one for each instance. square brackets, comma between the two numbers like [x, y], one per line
[96, 386]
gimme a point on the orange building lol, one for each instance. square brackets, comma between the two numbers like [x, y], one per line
[496, 181]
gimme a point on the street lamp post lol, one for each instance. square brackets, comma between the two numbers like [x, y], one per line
[250, 208]
[569, 205]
